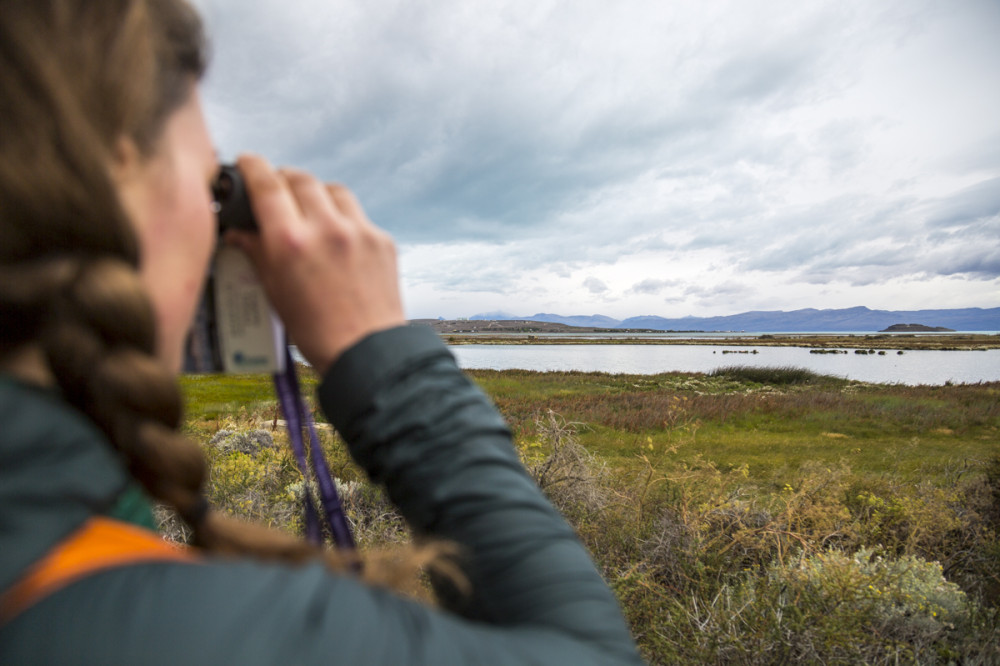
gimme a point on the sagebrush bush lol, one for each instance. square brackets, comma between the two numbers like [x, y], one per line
[374, 520]
[572, 477]
[833, 607]
[248, 441]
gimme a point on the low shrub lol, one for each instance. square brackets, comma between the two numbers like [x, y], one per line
[249, 442]
[572, 477]
[374, 520]
[833, 607]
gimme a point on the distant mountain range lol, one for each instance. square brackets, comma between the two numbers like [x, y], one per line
[859, 319]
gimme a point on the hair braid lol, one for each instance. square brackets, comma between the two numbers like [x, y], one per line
[99, 341]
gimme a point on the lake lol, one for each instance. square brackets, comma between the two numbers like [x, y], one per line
[912, 367]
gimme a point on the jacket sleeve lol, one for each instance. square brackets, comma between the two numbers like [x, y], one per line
[419, 426]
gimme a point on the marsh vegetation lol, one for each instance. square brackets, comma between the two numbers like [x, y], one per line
[755, 515]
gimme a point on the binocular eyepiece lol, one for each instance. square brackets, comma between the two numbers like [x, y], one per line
[232, 205]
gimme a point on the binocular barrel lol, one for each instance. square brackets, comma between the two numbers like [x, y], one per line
[232, 205]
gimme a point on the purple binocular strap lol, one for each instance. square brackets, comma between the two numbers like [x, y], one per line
[296, 415]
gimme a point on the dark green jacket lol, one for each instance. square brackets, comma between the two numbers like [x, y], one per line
[417, 425]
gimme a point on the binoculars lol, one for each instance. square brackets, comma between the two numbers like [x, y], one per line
[232, 206]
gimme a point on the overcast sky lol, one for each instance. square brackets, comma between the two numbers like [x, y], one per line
[639, 157]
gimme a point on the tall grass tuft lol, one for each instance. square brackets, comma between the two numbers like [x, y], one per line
[775, 376]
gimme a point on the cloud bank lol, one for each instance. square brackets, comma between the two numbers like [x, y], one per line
[639, 157]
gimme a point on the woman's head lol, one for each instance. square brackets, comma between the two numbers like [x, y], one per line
[105, 229]
[88, 93]
[166, 196]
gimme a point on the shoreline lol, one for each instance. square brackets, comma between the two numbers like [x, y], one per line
[879, 341]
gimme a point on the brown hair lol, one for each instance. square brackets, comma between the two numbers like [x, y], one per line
[75, 77]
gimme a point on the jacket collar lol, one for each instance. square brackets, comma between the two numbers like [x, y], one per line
[56, 470]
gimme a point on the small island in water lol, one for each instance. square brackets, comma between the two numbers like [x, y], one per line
[916, 328]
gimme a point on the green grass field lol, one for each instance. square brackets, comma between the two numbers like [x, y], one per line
[742, 418]
[749, 516]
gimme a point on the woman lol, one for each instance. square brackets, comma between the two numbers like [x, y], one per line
[106, 230]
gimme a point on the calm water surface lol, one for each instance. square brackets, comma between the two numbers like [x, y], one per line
[912, 367]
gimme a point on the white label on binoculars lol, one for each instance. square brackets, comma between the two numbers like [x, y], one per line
[251, 336]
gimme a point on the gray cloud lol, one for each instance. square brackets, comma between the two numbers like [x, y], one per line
[713, 294]
[967, 206]
[466, 279]
[653, 286]
[862, 244]
[595, 286]
[982, 263]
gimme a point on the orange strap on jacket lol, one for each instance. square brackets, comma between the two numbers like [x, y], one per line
[102, 543]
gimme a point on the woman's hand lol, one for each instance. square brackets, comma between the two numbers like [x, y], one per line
[328, 271]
